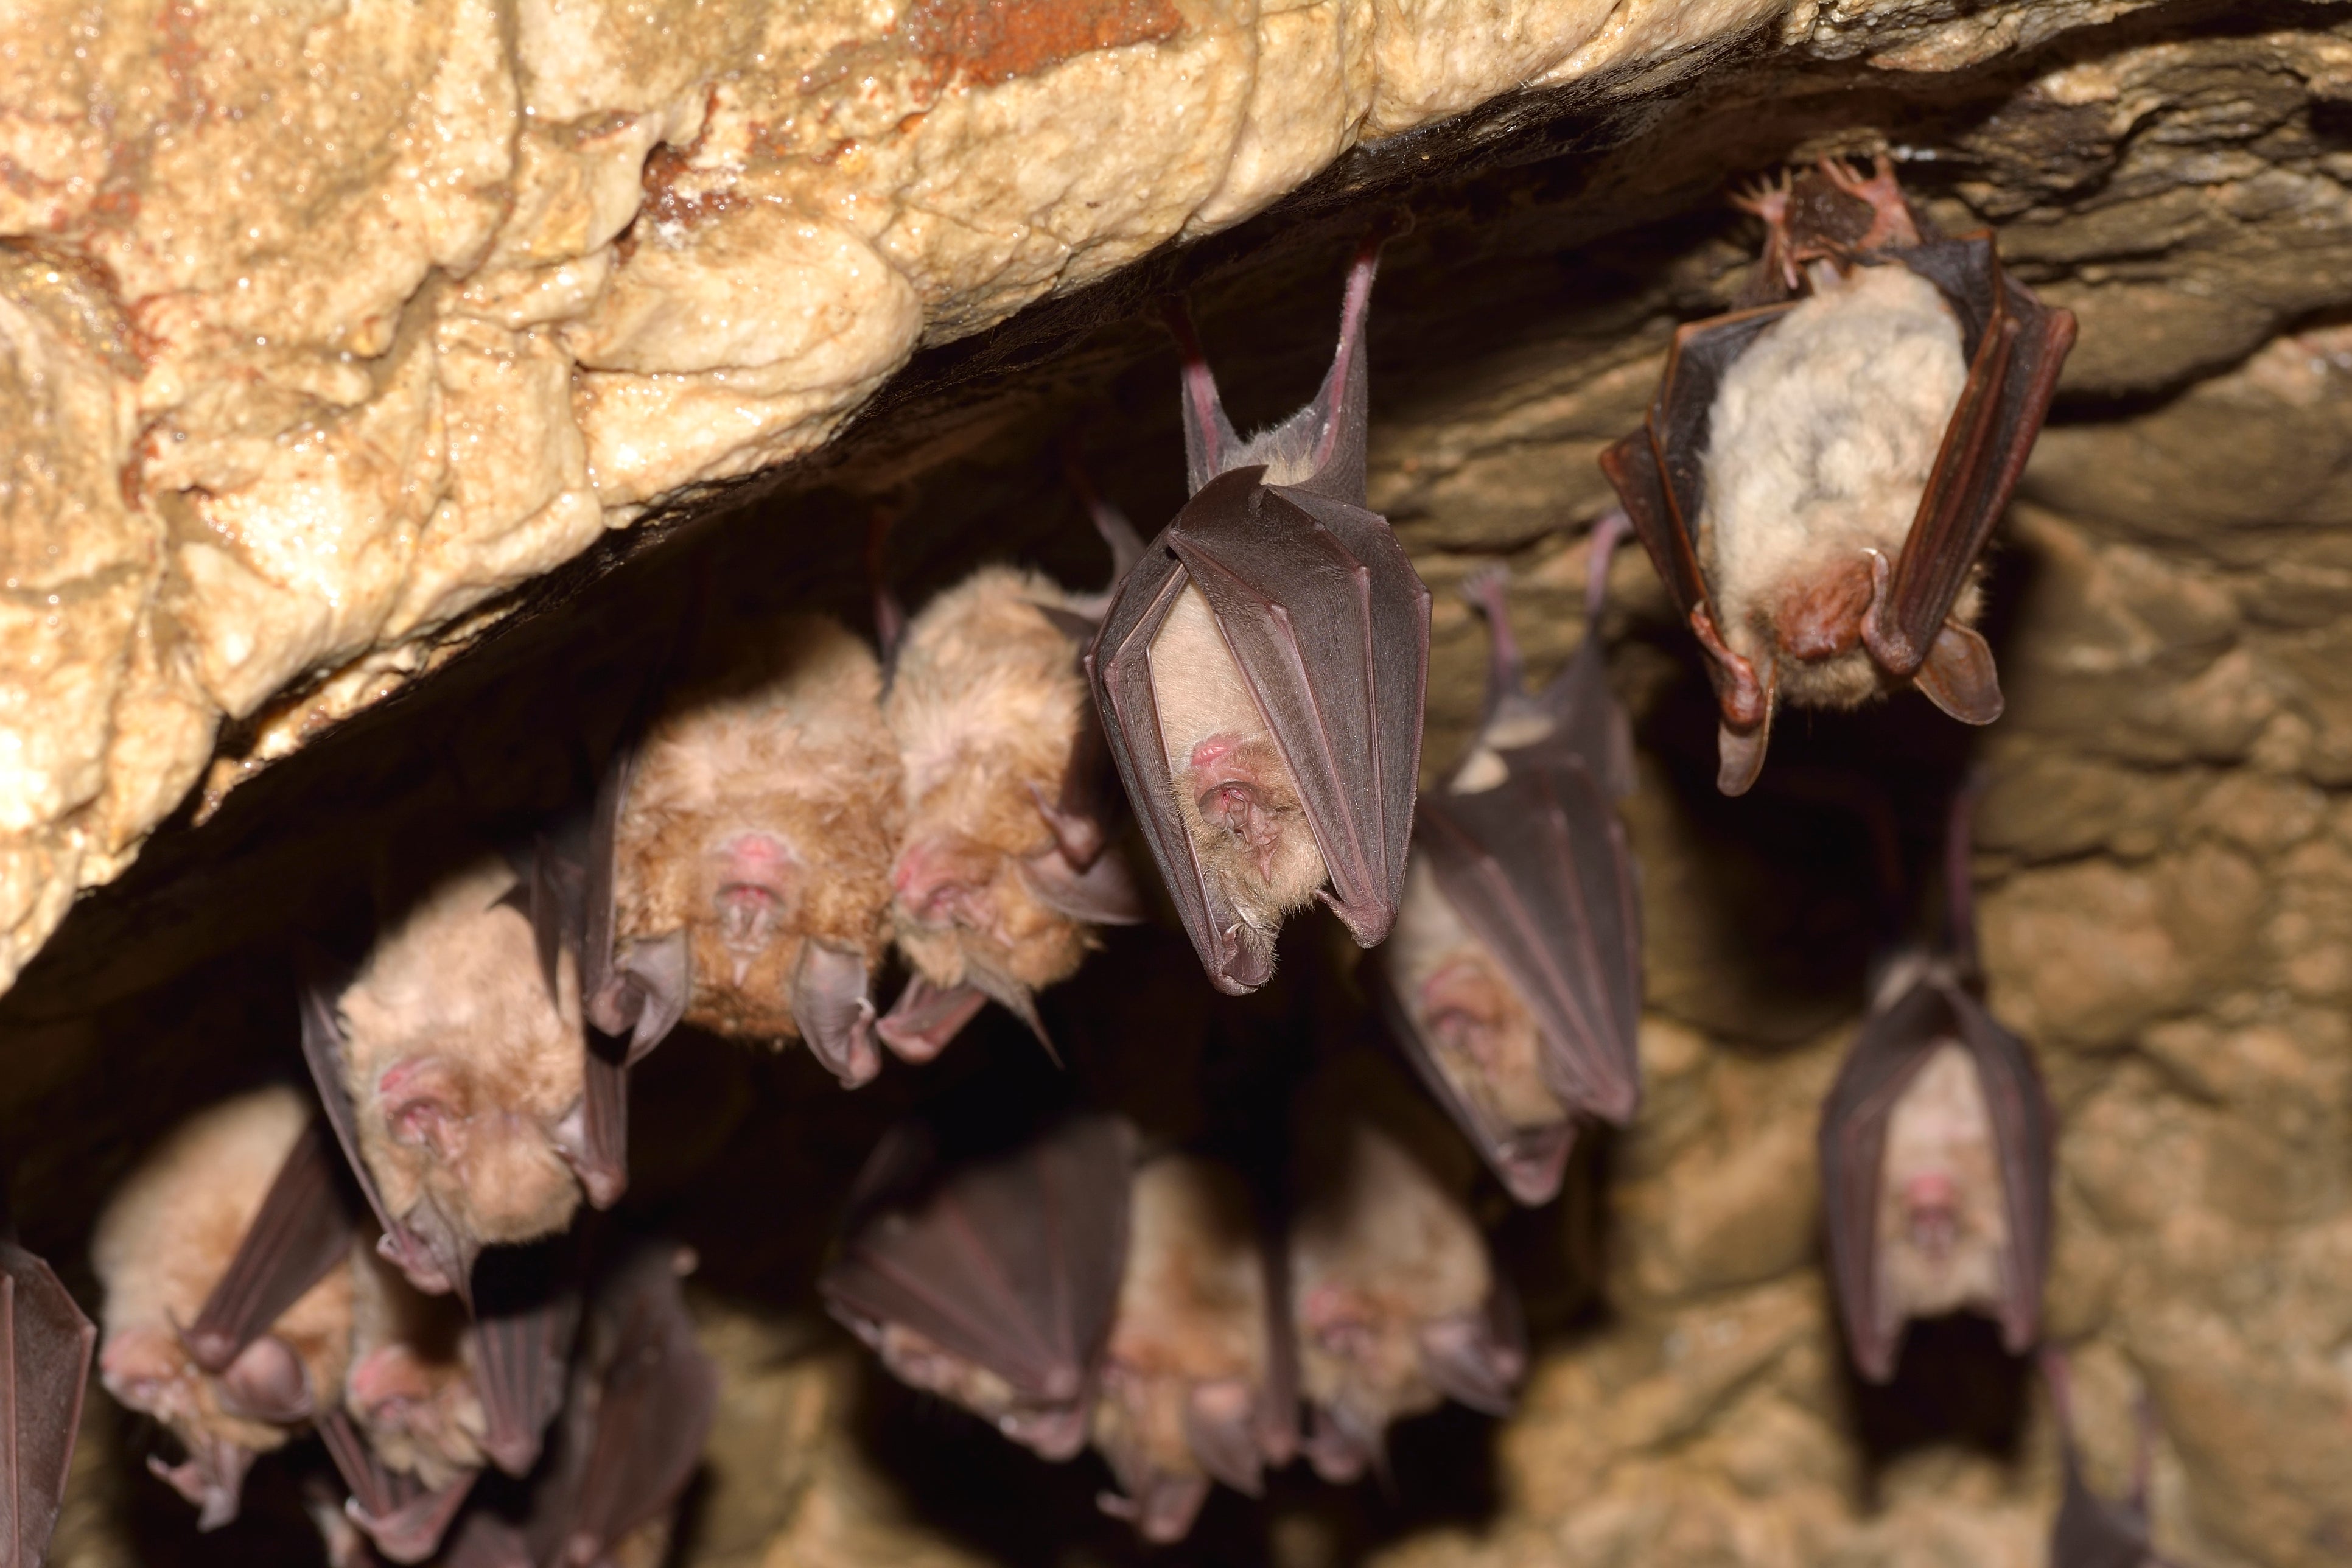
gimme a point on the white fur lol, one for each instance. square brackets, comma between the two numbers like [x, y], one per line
[1823, 438]
[1941, 1128]
[1430, 935]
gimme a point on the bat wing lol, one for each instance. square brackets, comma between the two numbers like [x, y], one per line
[1539, 869]
[1478, 1359]
[1328, 625]
[304, 1227]
[1011, 1262]
[637, 990]
[401, 1517]
[1894, 1044]
[525, 1313]
[434, 1264]
[46, 1342]
[1658, 470]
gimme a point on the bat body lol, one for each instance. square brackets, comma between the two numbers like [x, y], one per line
[166, 1237]
[1394, 1299]
[462, 1078]
[2092, 1531]
[753, 845]
[1002, 873]
[44, 1354]
[1196, 1383]
[1513, 974]
[1936, 1155]
[990, 1278]
[1819, 475]
[1260, 674]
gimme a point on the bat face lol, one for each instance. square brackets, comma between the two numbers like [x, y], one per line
[164, 1239]
[465, 1075]
[1935, 1146]
[991, 1279]
[1190, 1393]
[986, 705]
[411, 1389]
[1818, 475]
[1393, 1297]
[761, 812]
[1260, 675]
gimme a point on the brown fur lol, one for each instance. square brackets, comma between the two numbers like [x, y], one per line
[451, 1016]
[167, 1236]
[410, 1386]
[1489, 1049]
[782, 737]
[984, 703]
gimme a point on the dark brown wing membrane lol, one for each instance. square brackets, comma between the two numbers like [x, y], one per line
[526, 1309]
[402, 1518]
[1895, 1043]
[304, 1228]
[1539, 869]
[45, 1343]
[1010, 1261]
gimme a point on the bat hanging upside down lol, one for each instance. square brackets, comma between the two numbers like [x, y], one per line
[45, 1343]
[1260, 673]
[1513, 978]
[1819, 472]
[1936, 1153]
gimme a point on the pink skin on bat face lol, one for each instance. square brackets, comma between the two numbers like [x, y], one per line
[756, 876]
[1931, 1208]
[1225, 774]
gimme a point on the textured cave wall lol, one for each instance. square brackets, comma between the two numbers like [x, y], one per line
[2164, 866]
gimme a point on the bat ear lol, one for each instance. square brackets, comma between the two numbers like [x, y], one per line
[1079, 838]
[924, 1018]
[646, 993]
[1209, 440]
[266, 1381]
[1958, 676]
[1103, 894]
[1471, 1364]
[1739, 756]
[1220, 1430]
[836, 1017]
[1340, 1449]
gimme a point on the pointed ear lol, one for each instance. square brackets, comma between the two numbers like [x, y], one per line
[1958, 676]
[1739, 756]
[836, 1017]
[1103, 894]
[1079, 838]
[1210, 441]
[646, 992]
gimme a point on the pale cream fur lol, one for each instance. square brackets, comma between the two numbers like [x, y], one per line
[164, 1239]
[784, 737]
[1823, 438]
[985, 700]
[1379, 1249]
[1940, 1129]
[1505, 1083]
[917, 1360]
[452, 997]
[1201, 695]
[1192, 1312]
[402, 1336]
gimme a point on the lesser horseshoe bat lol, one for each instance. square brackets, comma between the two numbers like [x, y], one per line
[165, 1239]
[1198, 1382]
[1395, 1301]
[1820, 471]
[1004, 871]
[2091, 1532]
[1936, 1149]
[752, 829]
[989, 1278]
[1513, 976]
[1260, 673]
[45, 1343]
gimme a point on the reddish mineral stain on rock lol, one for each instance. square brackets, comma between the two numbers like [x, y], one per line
[990, 41]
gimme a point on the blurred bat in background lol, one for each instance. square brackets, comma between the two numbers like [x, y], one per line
[1395, 1300]
[1260, 673]
[1513, 976]
[1199, 1383]
[45, 1343]
[2091, 1532]
[1819, 472]
[752, 827]
[1936, 1149]
[1004, 870]
[989, 1277]
[170, 1233]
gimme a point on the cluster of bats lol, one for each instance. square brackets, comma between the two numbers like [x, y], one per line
[398, 1266]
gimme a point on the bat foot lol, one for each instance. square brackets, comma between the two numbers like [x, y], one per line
[1891, 224]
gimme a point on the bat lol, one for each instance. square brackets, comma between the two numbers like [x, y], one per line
[752, 827]
[1935, 1146]
[45, 1352]
[455, 1079]
[1260, 671]
[1819, 472]
[1002, 873]
[168, 1235]
[1198, 1382]
[1513, 977]
[1394, 1299]
[2091, 1532]
[988, 1276]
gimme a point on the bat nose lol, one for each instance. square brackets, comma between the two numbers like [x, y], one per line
[934, 882]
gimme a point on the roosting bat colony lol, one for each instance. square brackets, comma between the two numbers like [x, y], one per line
[392, 1259]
